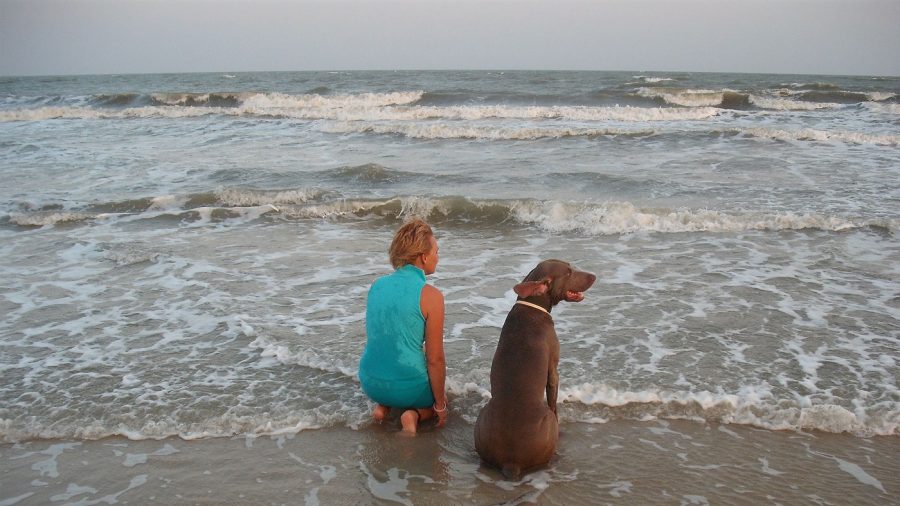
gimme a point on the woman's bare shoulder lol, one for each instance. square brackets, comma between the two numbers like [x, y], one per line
[432, 293]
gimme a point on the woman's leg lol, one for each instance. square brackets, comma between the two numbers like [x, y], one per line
[410, 418]
[380, 412]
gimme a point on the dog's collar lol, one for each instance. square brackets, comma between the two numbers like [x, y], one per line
[529, 304]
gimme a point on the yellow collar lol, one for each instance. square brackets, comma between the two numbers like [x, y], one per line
[529, 304]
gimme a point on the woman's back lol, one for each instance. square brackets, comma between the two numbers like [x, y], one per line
[395, 327]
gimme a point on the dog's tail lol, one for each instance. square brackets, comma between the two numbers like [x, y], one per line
[511, 471]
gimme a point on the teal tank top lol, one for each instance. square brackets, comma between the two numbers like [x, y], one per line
[393, 362]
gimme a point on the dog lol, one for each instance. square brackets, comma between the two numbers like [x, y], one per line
[517, 430]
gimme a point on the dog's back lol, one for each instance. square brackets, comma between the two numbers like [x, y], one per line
[516, 430]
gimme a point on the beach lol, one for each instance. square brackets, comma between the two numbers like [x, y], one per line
[184, 262]
[677, 462]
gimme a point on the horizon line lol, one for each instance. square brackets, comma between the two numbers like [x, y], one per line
[489, 70]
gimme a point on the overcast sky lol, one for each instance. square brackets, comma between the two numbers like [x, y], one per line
[49, 37]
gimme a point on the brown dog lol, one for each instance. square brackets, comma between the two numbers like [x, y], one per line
[517, 430]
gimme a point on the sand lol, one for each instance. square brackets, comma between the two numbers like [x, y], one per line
[624, 462]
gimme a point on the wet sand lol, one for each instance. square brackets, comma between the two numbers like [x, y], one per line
[620, 462]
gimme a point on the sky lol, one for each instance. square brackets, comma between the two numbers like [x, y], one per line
[61, 37]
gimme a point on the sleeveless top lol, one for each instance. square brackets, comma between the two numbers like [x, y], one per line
[395, 330]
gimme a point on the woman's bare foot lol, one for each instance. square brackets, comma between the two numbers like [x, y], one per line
[380, 413]
[409, 420]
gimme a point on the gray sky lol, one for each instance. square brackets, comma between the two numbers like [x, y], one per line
[40, 37]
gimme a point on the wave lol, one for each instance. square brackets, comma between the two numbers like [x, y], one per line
[316, 98]
[676, 105]
[370, 173]
[844, 97]
[778, 100]
[585, 403]
[315, 101]
[337, 110]
[73, 112]
[808, 134]
[199, 99]
[882, 108]
[225, 425]
[623, 217]
[201, 208]
[434, 131]
[824, 92]
[788, 104]
[725, 99]
[195, 217]
[245, 197]
[812, 86]
[755, 407]
[585, 218]
[650, 79]
[449, 131]
[322, 103]
[49, 218]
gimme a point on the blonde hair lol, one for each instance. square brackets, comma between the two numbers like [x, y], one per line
[410, 241]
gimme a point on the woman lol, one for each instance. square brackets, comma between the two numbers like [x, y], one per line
[402, 313]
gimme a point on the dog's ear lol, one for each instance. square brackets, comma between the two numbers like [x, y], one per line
[531, 288]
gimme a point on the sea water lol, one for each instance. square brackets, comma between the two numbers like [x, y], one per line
[188, 255]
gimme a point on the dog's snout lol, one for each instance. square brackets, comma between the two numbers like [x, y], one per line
[587, 280]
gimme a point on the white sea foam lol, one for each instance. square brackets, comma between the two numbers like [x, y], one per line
[329, 102]
[47, 113]
[860, 475]
[712, 98]
[607, 218]
[474, 113]
[624, 217]
[751, 406]
[686, 98]
[784, 104]
[73, 490]
[650, 79]
[809, 134]
[307, 358]
[131, 256]
[134, 459]
[451, 131]
[50, 467]
[363, 107]
[879, 96]
[167, 202]
[246, 198]
[203, 216]
[43, 219]
[882, 108]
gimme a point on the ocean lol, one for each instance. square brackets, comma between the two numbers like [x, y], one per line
[184, 261]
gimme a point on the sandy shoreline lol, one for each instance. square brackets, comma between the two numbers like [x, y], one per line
[618, 462]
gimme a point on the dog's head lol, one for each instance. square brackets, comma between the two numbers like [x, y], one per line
[557, 280]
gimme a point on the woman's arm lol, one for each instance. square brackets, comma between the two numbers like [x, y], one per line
[432, 303]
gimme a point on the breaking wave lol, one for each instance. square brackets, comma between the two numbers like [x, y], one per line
[449, 131]
[651, 79]
[726, 99]
[755, 407]
[785, 99]
[358, 109]
[321, 103]
[588, 218]
[498, 133]
[808, 134]
[585, 403]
